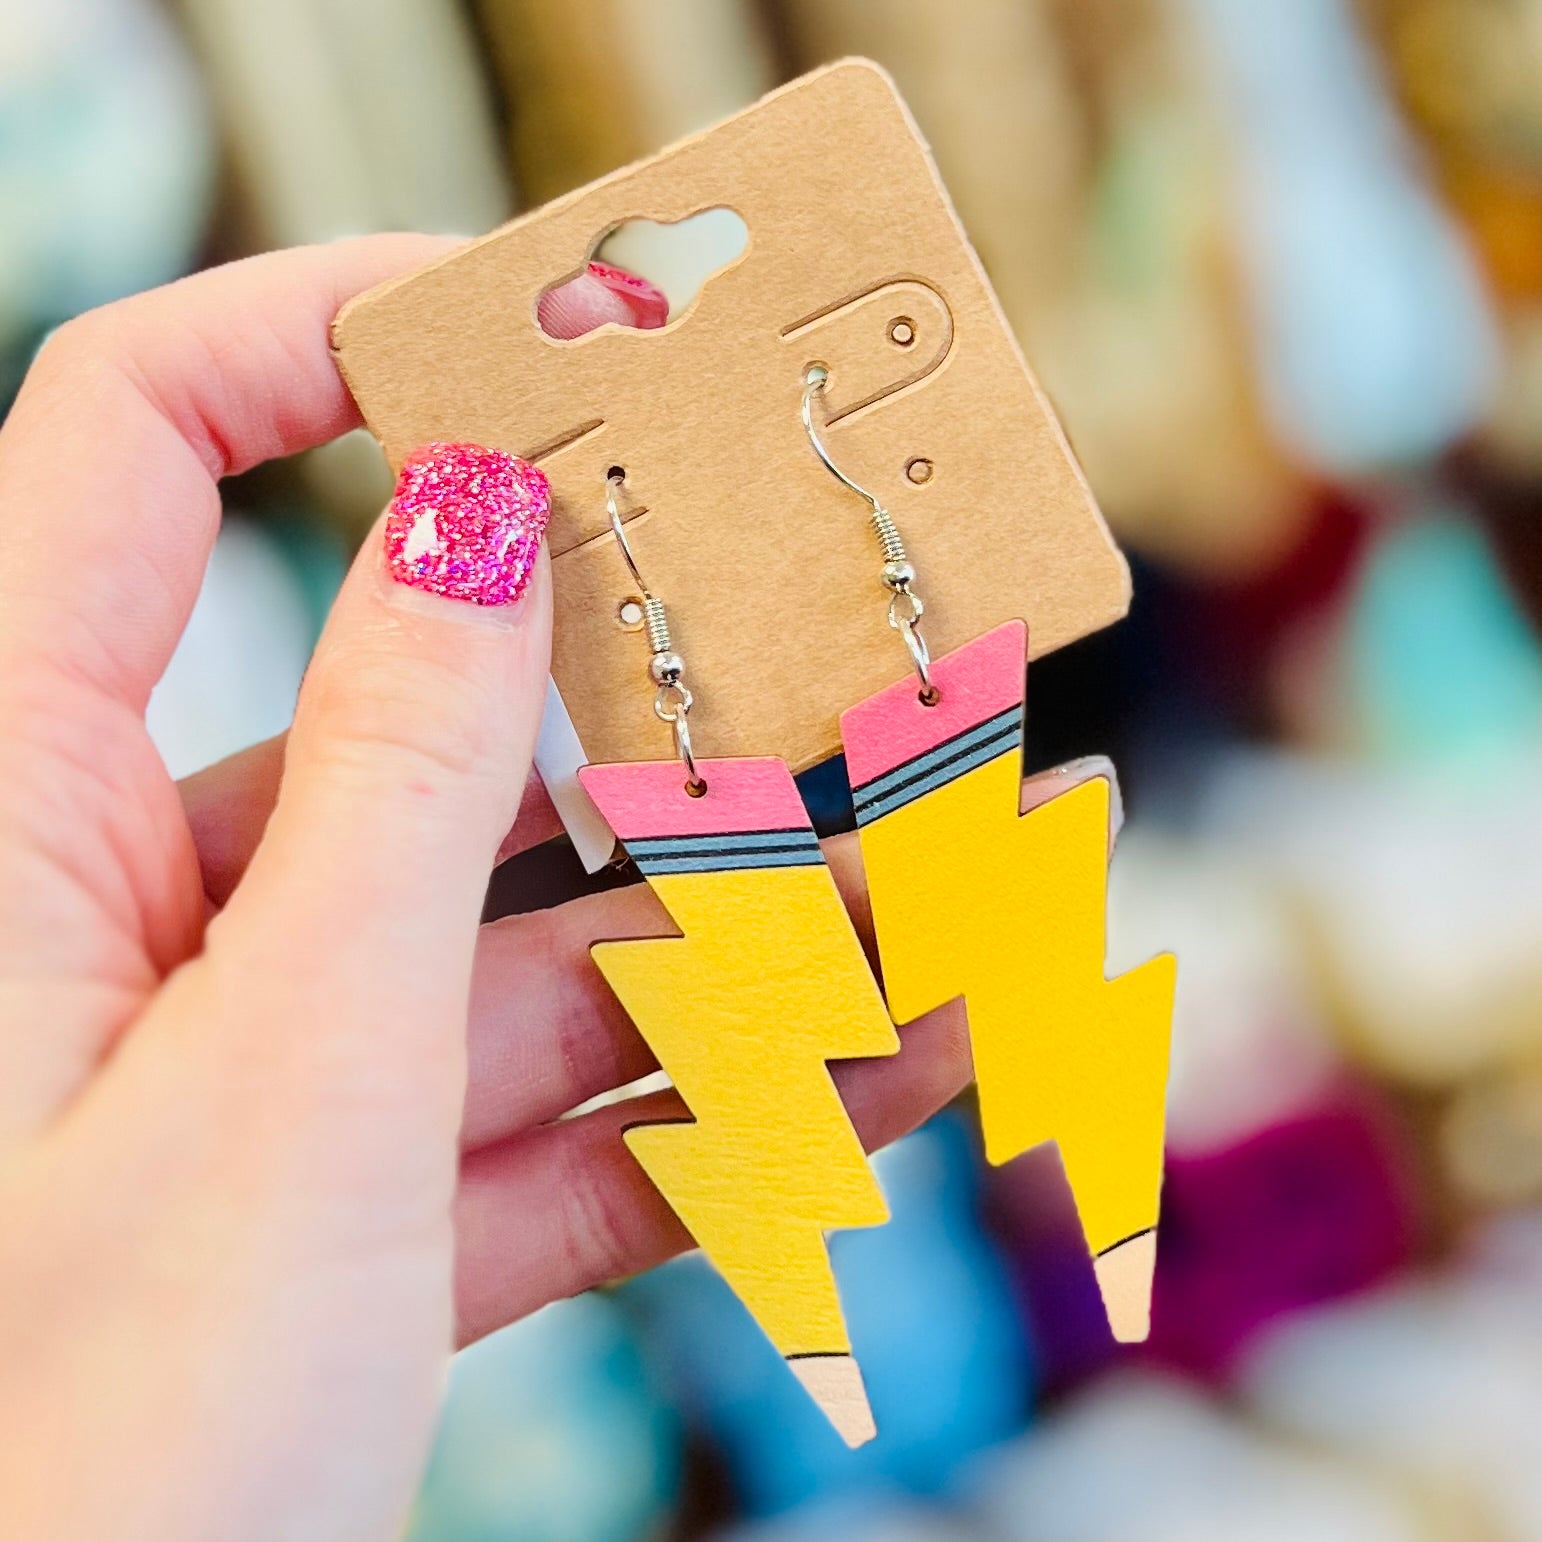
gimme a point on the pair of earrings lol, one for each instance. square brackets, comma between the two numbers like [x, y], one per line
[768, 981]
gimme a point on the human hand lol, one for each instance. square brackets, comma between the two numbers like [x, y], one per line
[249, 1197]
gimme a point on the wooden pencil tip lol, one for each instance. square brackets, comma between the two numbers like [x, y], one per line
[1124, 1278]
[835, 1383]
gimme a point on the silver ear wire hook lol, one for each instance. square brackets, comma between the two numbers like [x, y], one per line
[673, 700]
[899, 574]
[813, 382]
[619, 531]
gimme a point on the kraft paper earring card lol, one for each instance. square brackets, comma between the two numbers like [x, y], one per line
[854, 260]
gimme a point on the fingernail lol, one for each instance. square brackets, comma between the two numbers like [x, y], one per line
[466, 522]
[648, 303]
[599, 295]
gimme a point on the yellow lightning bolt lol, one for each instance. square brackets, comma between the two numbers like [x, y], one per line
[767, 983]
[1008, 911]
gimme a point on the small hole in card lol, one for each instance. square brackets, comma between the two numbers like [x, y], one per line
[676, 260]
[629, 614]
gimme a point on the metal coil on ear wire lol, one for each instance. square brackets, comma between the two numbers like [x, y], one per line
[659, 640]
[889, 538]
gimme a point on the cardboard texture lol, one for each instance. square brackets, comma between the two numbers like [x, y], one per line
[854, 260]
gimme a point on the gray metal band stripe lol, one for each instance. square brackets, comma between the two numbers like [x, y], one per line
[946, 771]
[707, 853]
[747, 840]
[1004, 724]
[730, 862]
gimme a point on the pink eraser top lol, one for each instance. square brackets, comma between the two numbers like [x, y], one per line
[977, 682]
[645, 800]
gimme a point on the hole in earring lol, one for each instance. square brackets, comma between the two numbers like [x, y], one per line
[629, 614]
[902, 332]
[928, 696]
[696, 789]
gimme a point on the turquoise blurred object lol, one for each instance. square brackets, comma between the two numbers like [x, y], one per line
[554, 1431]
[107, 158]
[932, 1322]
[1441, 661]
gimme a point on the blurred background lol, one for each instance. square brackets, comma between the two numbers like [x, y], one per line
[1280, 267]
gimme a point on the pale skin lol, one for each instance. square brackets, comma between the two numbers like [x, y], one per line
[276, 1114]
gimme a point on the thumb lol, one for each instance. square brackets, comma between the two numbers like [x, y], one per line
[410, 748]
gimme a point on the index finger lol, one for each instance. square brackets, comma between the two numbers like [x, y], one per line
[111, 457]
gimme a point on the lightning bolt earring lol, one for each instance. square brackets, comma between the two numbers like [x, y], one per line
[766, 984]
[1010, 916]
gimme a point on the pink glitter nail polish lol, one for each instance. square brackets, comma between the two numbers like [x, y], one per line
[466, 522]
[649, 304]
